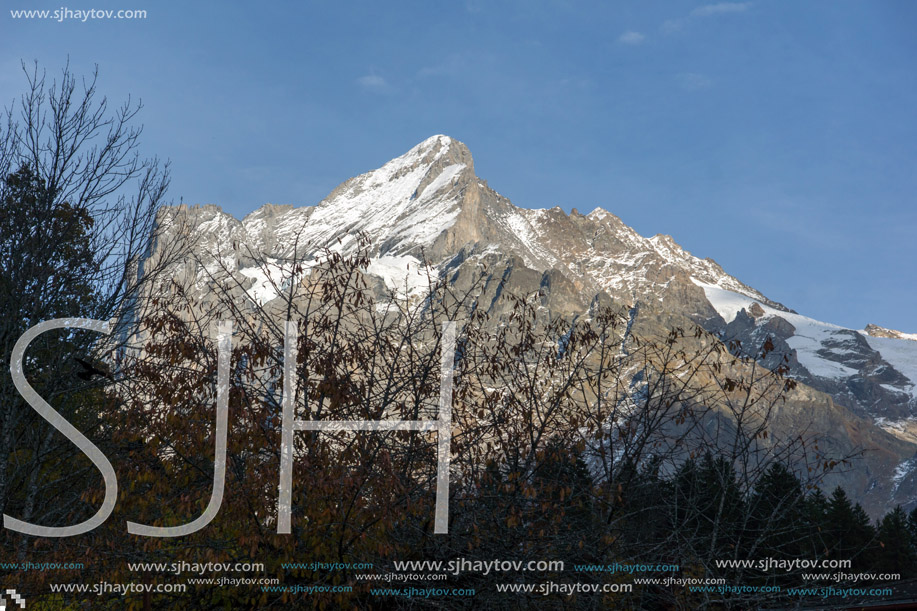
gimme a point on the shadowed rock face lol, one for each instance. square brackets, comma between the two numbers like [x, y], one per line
[427, 210]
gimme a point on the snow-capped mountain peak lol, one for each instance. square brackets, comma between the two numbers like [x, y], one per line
[402, 205]
[427, 206]
[430, 201]
[426, 213]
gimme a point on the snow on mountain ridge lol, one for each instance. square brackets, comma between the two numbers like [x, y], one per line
[426, 211]
[705, 269]
[877, 331]
[630, 264]
[405, 203]
[821, 347]
[412, 200]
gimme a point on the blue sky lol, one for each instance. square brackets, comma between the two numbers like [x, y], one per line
[778, 138]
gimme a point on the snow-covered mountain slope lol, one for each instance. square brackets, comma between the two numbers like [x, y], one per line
[427, 213]
[429, 204]
[406, 203]
[402, 207]
[425, 208]
[877, 376]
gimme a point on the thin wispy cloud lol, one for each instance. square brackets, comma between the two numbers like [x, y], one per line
[671, 26]
[631, 38]
[721, 7]
[374, 83]
[694, 81]
[474, 6]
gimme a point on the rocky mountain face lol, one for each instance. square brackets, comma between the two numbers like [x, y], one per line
[428, 212]
[877, 331]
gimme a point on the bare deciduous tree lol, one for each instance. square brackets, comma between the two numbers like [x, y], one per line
[78, 209]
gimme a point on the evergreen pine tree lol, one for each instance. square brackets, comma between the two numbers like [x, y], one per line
[778, 513]
[896, 552]
[817, 518]
[849, 532]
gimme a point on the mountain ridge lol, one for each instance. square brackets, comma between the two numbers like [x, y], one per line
[433, 200]
[427, 211]
[428, 205]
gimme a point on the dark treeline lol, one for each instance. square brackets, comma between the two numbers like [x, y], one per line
[698, 517]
